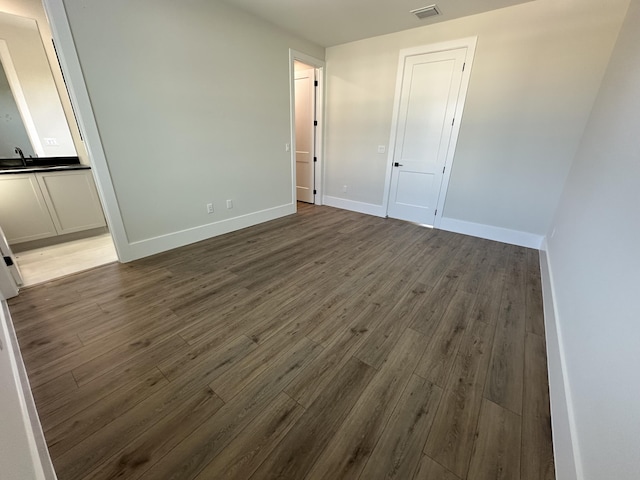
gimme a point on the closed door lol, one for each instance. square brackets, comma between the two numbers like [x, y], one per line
[305, 117]
[428, 100]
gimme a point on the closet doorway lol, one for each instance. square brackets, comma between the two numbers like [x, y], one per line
[306, 99]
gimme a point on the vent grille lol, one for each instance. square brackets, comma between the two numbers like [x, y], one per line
[426, 12]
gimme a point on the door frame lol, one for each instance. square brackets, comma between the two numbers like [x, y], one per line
[470, 44]
[81, 104]
[318, 170]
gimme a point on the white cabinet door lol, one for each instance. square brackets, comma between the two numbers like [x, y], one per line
[72, 200]
[23, 211]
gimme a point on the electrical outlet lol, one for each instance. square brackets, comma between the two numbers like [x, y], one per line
[229, 203]
[51, 142]
[287, 147]
[344, 189]
[382, 148]
[209, 207]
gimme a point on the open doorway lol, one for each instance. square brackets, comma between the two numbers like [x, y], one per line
[50, 211]
[305, 85]
[306, 101]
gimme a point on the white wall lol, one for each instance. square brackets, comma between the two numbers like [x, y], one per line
[595, 264]
[536, 73]
[192, 103]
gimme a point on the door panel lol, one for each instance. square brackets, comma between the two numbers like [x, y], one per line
[410, 188]
[305, 113]
[428, 100]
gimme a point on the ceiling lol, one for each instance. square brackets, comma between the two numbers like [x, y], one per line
[332, 22]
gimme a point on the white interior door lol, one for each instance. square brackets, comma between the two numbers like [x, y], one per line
[304, 117]
[428, 100]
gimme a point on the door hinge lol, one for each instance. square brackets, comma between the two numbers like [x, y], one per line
[463, 65]
[435, 213]
[443, 169]
[315, 123]
[314, 192]
[453, 121]
[315, 159]
[8, 261]
[315, 83]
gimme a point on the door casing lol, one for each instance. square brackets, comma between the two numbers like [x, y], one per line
[470, 44]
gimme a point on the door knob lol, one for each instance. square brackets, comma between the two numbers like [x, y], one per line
[397, 164]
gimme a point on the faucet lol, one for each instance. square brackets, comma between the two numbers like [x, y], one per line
[18, 150]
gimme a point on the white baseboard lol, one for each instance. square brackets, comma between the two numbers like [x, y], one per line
[565, 445]
[30, 456]
[514, 237]
[489, 232]
[360, 207]
[151, 246]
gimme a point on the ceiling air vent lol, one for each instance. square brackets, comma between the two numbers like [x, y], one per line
[426, 12]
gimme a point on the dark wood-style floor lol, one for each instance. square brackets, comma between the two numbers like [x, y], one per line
[327, 344]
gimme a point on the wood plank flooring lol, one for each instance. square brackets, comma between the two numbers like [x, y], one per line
[323, 345]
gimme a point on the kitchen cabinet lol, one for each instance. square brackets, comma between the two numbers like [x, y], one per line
[24, 214]
[72, 200]
[44, 204]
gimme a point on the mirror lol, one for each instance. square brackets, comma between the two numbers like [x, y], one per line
[12, 131]
[31, 114]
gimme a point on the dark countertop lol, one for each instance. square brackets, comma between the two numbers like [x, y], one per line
[55, 168]
[42, 164]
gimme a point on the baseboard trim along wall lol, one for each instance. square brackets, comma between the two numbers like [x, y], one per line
[36, 450]
[565, 445]
[489, 232]
[151, 246]
[499, 234]
[360, 207]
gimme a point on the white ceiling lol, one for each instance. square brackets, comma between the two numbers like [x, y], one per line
[332, 22]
